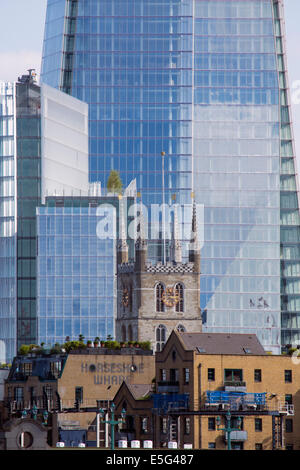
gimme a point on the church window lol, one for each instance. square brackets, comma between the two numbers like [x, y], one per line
[130, 335]
[179, 289]
[181, 328]
[160, 306]
[161, 335]
[123, 333]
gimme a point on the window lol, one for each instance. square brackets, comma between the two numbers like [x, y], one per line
[257, 375]
[288, 425]
[163, 375]
[179, 290]
[258, 424]
[258, 446]
[26, 368]
[55, 368]
[130, 298]
[211, 424]
[211, 445]
[79, 394]
[163, 425]
[288, 376]
[144, 425]
[48, 392]
[211, 375]
[18, 393]
[187, 425]
[123, 333]
[233, 375]
[161, 331]
[289, 447]
[288, 399]
[237, 422]
[130, 334]
[160, 306]
[181, 328]
[174, 375]
[186, 376]
[33, 397]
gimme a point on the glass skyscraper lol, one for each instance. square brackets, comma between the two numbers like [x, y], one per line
[76, 272]
[31, 145]
[205, 82]
[76, 267]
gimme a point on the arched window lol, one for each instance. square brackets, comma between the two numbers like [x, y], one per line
[124, 333]
[161, 335]
[130, 298]
[181, 328]
[160, 306]
[179, 289]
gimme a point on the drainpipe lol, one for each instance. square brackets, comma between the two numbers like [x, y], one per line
[199, 405]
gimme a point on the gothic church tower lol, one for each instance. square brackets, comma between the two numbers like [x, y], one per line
[155, 299]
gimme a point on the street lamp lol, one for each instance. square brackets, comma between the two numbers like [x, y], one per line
[45, 416]
[112, 422]
[228, 429]
[34, 412]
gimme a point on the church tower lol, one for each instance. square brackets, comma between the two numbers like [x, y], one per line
[154, 299]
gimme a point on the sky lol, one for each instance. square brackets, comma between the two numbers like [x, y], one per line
[21, 42]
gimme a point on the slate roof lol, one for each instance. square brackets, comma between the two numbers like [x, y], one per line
[139, 390]
[222, 343]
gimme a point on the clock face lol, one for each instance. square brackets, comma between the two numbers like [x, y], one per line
[125, 297]
[170, 296]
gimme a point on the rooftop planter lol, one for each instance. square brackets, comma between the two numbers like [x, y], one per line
[80, 346]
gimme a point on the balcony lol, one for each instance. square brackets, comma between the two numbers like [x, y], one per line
[167, 387]
[235, 400]
[237, 436]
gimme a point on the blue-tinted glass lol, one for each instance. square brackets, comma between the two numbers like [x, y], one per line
[69, 283]
[198, 80]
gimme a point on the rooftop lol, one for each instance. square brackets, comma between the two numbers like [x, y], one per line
[139, 391]
[222, 343]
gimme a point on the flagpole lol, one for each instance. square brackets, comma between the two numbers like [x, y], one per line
[163, 212]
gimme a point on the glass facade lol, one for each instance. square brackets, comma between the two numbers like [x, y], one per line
[20, 193]
[34, 140]
[237, 166]
[131, 61]
[289, 198]
[8, 244]
[76, 265]
[203, 81]
[28, 141]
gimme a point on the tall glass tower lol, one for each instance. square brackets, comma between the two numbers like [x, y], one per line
[39, 126]
[205, 82]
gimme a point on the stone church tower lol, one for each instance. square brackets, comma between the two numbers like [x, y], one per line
[155, 299]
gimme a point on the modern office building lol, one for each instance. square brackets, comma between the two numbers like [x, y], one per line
[43, 143]
[192, 96]
[76, 267]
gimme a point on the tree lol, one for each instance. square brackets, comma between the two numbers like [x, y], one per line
[114, 183]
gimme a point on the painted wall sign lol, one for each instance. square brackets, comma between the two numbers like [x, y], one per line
[111, 373]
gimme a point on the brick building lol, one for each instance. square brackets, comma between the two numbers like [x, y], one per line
[64, 391]
[200, 377]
